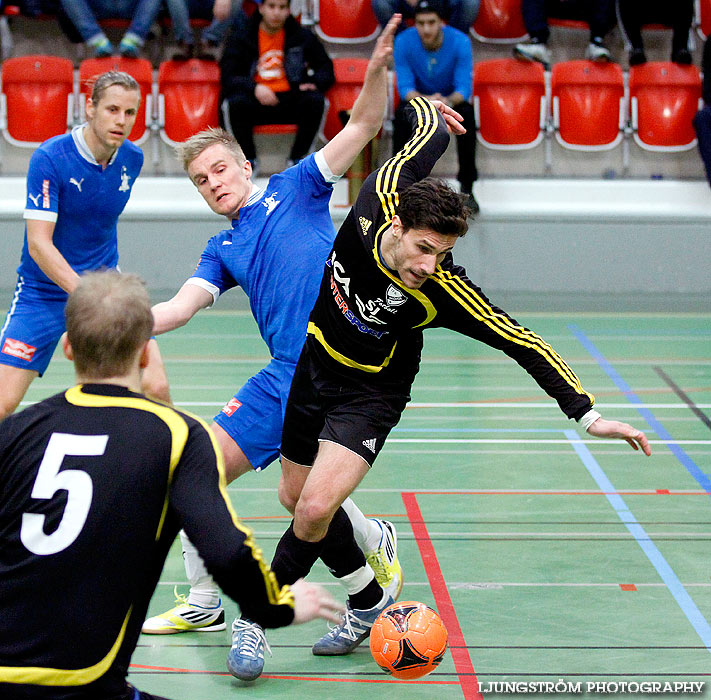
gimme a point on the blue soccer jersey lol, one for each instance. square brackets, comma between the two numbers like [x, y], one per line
[276, 252]
[66, 185]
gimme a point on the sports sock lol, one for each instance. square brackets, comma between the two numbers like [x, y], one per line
[366, 531]
[294, 557]
[346, 562]
[203, 589]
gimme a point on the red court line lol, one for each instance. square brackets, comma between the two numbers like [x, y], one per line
[460, 655]
[296, 678]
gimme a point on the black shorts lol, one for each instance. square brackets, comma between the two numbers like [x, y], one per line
[321, 407]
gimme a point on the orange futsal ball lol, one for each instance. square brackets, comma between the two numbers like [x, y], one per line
[408, 640]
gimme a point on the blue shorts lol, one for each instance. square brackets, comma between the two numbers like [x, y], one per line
[254, 417]
[32, 329]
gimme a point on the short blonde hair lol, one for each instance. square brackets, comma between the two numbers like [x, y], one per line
[108, 319]
[189, 150]
[99, 84]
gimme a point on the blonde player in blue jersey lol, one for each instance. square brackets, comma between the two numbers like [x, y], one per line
[77, 186]
[275, 250]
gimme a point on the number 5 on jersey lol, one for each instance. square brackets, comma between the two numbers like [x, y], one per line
[75, 482]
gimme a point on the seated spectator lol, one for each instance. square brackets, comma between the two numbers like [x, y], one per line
[459, 14]
[274, 71]
[599, 14]
[221, 12]
[678, 15]
[85, 14]
[702, 121]
[435, 61]
[35, 8]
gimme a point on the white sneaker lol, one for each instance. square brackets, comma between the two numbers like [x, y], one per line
[186, 618]
[533, 50]
[597, 52]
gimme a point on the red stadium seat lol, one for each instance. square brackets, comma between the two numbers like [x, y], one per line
[350, 74]
[37, 99]
[703, 17]
[509, 103]
[664, 99]
[499, 22]
[588, 104]
[141, 70]
[345, 21]
[188, 98]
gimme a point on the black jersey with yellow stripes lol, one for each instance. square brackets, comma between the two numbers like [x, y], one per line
[97, 482]
[367, 325]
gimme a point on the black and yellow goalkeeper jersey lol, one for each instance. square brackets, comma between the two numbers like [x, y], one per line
[367, 325]
[96, 483]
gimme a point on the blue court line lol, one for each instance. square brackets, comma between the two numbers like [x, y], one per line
[657, 559]
[702, 479]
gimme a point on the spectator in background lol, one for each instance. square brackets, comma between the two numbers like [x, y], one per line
[274, 72]
[677, 14]
[85, 14]
[221, 12]
[435, 61]
[599, 14]
[702, 121]
[459, 14]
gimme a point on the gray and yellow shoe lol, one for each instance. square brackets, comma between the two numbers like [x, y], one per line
[185, 617]
[384, 562]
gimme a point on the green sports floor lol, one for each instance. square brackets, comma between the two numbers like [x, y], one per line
[551, 556]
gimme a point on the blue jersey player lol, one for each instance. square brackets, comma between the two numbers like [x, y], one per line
[275, 250]
[77, 186]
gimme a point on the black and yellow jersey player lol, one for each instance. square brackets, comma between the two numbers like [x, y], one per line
[97, 482]
[390, 276]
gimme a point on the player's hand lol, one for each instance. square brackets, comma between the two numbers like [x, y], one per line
[311, 601]
[265, 96]
[451, 116]
[383, 51]
[614, 429]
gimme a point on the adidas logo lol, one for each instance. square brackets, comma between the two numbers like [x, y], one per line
[370, 444]
[365, 225]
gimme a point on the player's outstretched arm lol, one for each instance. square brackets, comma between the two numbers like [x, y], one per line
[369, 109]
[622, 431]
[176, 312]
[312, 601]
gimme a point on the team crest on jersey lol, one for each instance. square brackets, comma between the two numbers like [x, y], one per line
[17, 348]
[231, 406]
[365, 224]
[270, 202]
[125, 177]
[394, 297]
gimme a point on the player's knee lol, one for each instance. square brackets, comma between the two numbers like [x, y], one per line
[313, 513]
[287, 497]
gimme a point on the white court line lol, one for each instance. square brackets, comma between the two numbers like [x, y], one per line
[460, 585]
[538, 441]
[496, 404]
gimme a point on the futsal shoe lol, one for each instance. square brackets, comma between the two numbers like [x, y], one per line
[186, 618]
[383, 560]
[354, 628]
[245, 659]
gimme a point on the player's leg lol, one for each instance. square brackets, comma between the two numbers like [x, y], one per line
[201, 610]
[154, 381]
[28, 337]
[15, 382]
[322, 529]
[248, 430]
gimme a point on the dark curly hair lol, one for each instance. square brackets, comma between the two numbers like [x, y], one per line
[432, 204]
